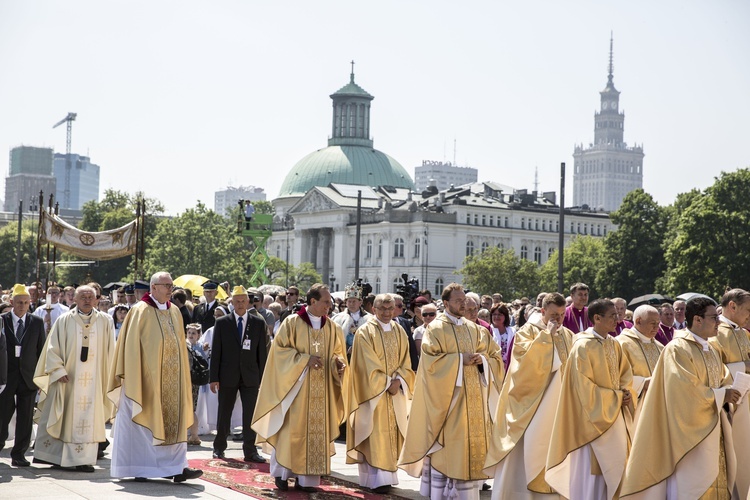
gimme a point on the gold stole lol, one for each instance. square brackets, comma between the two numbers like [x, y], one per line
[170, 379]
[391, 349]
[317, 446]
[613, 366]
[714, 367]
[478, 426]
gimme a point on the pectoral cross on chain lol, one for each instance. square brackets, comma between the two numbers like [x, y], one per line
[316, 344]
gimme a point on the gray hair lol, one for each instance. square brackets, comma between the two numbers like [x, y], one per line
[84, 288]
[643, 311]
[475, 297]
[157, 276]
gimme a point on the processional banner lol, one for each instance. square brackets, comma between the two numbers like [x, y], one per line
[102, 245]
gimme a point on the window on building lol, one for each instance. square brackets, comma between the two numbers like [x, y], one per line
[524, 252]
[439, 287]
[501, 246]
[506, 222]
[468, 218]
[469, 248]
[549, 253]
[398, 281]
[538, 255]
[544, 225]
[368, 250]
[484, 220]
[536, 224]
[523, 223]
[485, 246]
[278, 251]
[377, 285]
[417, 247]
[398, 247]
[492, 220]
[476, 219]
[380, 249]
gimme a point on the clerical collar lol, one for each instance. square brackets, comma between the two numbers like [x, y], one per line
[593, 332]
[385, 326]
[314, 320]
[159, 305]
[454, 319]
[728, 321]
[83, 313]
[643, 338]
[703, 342]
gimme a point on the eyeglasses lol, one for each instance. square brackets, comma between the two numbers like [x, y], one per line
[385, 309]
[428, 315]
[168, 285]
[399, 306]
[714, 317]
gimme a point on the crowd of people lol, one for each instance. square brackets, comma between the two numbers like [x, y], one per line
[560, 397]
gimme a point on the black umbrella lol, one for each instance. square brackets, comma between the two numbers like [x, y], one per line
[114, 284]
[652, 299]
[690, 295]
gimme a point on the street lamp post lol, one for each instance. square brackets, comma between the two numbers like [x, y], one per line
[287, 220]
[332, 279]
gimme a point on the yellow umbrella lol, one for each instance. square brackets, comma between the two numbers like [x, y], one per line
[194, 283]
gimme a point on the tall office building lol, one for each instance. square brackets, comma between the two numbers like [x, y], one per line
[84, 181]
[30, 172]
[227, 198]
[607, 170]
[444, 174]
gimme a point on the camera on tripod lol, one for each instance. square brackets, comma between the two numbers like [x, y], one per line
[409, 290]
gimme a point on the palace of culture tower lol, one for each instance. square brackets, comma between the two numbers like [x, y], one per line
[607, 170]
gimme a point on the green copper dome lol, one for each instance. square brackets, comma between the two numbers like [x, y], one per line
[345, 165]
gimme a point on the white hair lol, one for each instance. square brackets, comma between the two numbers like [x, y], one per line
[643, 311]
[473, 296]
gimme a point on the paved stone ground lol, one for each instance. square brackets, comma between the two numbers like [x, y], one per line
[41, 482]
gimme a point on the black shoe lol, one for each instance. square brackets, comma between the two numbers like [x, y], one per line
[84, 468]
[281, 484]
[140, 479]
[486, 487]
[382, 490]
[238, 438]
[306, 489]
[19, 462]
[219, 455]
[255, 458]
[187, 473]
[100, 454]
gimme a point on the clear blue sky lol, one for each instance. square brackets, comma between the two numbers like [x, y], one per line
[181, 98]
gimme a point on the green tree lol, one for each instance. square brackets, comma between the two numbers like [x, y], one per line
[582, 260]
[496, 270]
[707, 252]
[199, 241]
[9, 248]
[633, 254]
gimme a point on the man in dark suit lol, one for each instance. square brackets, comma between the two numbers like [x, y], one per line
[238, 358]
[204, 313]
[24, 337]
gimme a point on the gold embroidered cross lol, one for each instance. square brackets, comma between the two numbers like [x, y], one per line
[316, 344]
[79, 448]
[83, 403]
[81, 428]
[85, 379]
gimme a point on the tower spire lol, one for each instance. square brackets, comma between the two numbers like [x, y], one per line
[611, 57]
[351, 76]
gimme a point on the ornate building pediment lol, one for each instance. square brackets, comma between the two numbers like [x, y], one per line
[313, 201]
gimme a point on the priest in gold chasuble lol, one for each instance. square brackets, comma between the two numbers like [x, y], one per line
[590, 437]
[301, 402]
[642, 351]
[732, 342]
[72, 375]
[683, 443]
[518, 448]
[381, 384]
[150, 384]
[456, 391]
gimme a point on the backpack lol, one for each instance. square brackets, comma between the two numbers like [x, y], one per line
[199, 372]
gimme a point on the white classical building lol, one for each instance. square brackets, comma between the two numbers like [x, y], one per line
[426, 236]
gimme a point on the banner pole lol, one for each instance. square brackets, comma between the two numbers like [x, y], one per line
[39, 235]
[54, 248]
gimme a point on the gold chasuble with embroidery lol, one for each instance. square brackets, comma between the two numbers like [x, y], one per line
[679, 450]
[151, 356]
[590, 412]
[299, 410]
[642, 357]
[732, 342]
[73, 413]
[529, 394]
[376, 423]
[450, 418]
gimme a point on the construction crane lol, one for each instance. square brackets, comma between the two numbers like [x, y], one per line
[68, 167]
